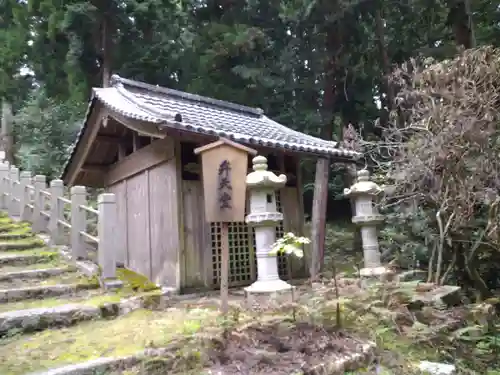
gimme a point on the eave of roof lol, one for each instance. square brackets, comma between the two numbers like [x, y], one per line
[133, 99]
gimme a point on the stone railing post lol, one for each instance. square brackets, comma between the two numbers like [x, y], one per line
[24, 181]
[107, 249]
[78, 221]
[13, 204]
[4, 174]
[38, 220]
[56, 211]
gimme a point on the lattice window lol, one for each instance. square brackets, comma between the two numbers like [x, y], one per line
[280, 231]
[240, 254]
[242, 260]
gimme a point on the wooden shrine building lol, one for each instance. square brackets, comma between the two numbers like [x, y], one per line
[137, 141]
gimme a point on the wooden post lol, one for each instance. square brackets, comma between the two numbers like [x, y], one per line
[318, 220]
[225, 166]
[224, 267]
[56, 211]
[4, 174]
[38, 220]
[13, 204]
[78, 221]
[107, 250]
[24, 210]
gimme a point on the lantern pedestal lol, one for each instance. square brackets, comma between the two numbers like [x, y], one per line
[264, 218]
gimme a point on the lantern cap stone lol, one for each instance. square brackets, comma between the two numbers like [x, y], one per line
[263, 178]
[363, 186]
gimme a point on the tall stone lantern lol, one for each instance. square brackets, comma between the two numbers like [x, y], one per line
[264, 217]
[363, 192]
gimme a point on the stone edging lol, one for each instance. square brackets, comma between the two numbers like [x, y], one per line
[349, 362]
[338, 367]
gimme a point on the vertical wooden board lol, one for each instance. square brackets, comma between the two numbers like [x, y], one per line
[165, 241]
[292, 223]
[120, 191]
[195, 239]
[138, 225]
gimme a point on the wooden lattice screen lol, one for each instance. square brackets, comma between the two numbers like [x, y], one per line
[242, 260]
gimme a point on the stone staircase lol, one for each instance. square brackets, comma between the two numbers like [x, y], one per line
[40, 289]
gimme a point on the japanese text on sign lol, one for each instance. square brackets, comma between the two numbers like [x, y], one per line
[225, 187]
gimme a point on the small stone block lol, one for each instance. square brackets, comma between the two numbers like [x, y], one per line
[375, 274]
[112, 284]
[268, 300]
[435, 368]
[412, 275]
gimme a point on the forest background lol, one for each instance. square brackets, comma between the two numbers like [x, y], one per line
[321, 67]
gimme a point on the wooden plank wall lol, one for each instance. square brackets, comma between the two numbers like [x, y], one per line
[120, 191]
[138, 225]
[148, 227]
[197, 260]
[164, 217]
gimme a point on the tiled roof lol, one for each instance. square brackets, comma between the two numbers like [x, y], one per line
[205, 115]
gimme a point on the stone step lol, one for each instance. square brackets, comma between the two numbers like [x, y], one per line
[8, 236]
[24, 259]
[61, 278]
[26, 244]
[38, 319]
[18, 294]
[36, 273]
[45, 317]
[10, 227]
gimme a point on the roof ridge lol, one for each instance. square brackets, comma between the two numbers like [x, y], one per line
[116, 79]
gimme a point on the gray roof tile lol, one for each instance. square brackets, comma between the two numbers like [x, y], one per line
[209, 116]
[205, 115]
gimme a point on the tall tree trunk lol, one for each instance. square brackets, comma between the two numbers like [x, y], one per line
[460, 19]
[6, 132]
[386, 86]
[328, 109]
[384, 56]
[106, 40]
[318, 220]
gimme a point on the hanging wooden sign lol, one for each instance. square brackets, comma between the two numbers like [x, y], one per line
[224, 170]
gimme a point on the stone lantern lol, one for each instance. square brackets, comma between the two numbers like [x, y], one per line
[366, 216]
[264, 217]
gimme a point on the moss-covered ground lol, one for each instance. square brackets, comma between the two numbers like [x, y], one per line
[90, 340]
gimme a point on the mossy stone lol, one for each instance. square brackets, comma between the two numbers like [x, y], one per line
[135, 281]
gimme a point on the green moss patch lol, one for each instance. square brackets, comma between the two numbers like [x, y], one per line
[42, 251]
[22, 231]
[12, 226]
[5, 220]
[134, 281]
[21, 244]
[90, 340]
